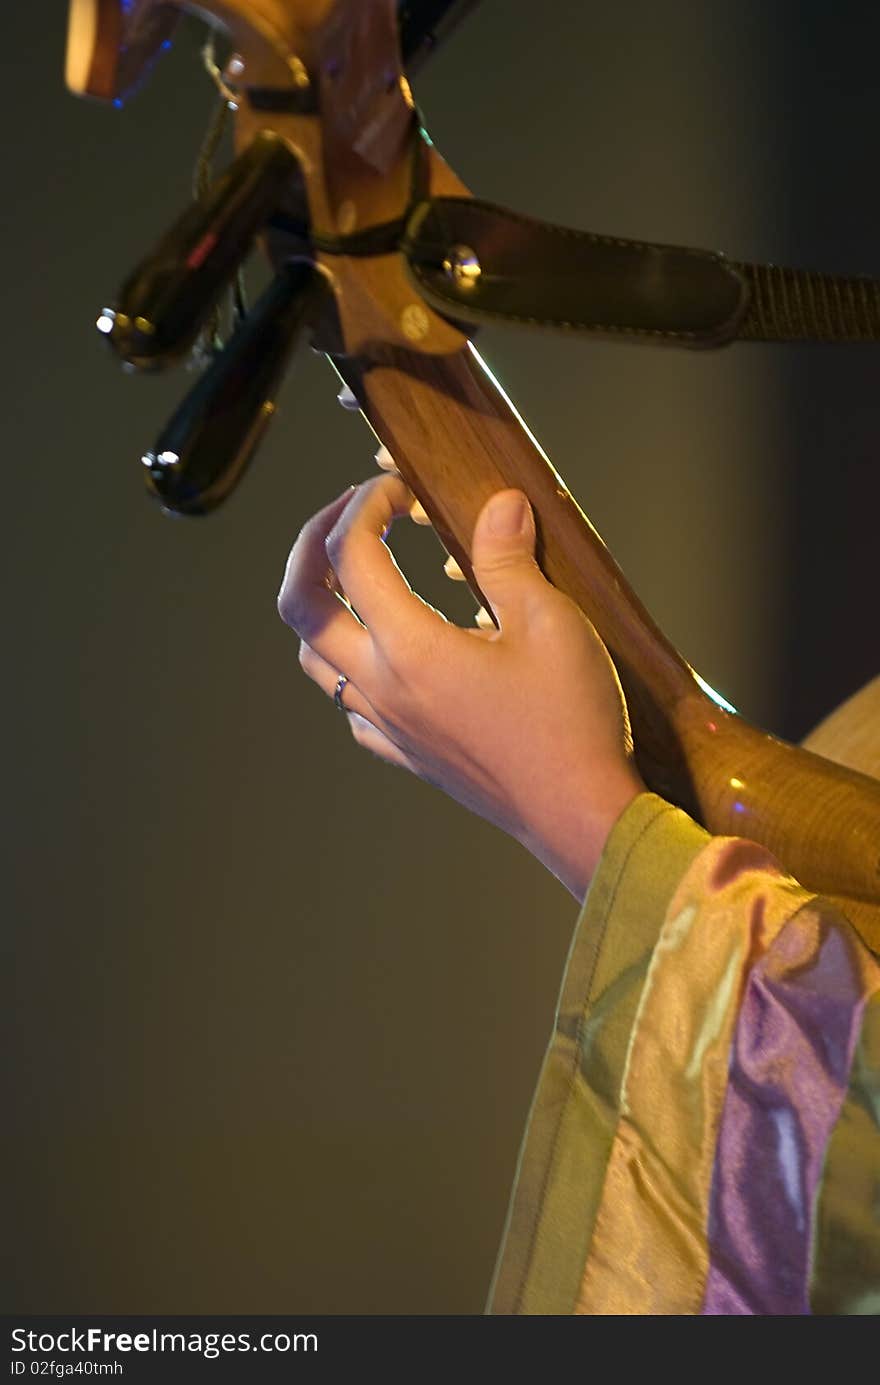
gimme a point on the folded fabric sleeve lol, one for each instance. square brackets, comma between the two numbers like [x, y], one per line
[705, 1136]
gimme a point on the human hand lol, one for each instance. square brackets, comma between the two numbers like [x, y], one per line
[525, 725]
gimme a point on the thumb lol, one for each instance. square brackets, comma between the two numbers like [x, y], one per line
[503, 553]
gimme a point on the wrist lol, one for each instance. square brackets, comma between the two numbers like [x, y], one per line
[572, 843]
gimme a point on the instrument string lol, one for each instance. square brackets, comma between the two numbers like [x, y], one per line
[211, 341]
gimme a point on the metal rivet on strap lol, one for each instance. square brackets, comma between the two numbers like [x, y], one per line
[462, 266]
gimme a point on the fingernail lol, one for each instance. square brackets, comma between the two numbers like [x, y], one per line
[507, 514]
[347, 399]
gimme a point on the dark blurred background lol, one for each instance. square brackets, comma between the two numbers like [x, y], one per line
[277, 1010]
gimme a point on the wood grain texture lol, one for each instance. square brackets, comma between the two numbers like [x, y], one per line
[850, 735]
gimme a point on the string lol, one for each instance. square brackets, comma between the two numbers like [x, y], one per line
[210, 341]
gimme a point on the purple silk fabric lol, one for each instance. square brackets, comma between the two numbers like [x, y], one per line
[796, 1030]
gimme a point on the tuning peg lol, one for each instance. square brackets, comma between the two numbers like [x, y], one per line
[163, 305]
[452, 569]
[384, 460]
[203, 452]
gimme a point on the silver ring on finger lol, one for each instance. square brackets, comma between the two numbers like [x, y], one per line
[338, 691]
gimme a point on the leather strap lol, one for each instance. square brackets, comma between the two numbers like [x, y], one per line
[552, 276]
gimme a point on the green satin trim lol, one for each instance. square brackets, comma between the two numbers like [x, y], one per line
[574, 1114]
[846, 1247]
